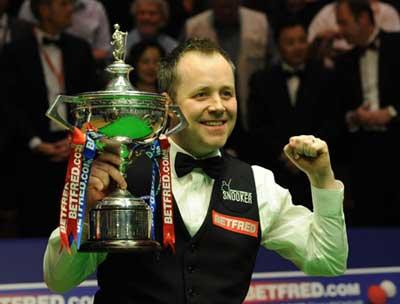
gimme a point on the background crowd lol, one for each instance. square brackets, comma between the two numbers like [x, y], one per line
[327, 68]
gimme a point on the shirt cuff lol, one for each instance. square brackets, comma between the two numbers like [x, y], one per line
[392, 111]
[34, 142]
[328, 202]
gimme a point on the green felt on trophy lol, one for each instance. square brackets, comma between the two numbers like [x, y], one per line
[128, 126]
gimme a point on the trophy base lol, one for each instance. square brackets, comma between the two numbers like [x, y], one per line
[120, 246]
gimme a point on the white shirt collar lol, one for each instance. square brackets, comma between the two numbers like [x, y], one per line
[289, 68]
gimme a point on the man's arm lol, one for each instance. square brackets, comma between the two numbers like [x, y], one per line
[314, 241]
[63, 271]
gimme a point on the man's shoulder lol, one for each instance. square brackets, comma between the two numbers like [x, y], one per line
[28, 39]
[248, 12]
[326, 11]
[389, 37]
[200, 17]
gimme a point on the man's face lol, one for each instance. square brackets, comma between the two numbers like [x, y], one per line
[293, 45]
[149, 18]
[59, 14]
[205, 93]
[350, 28]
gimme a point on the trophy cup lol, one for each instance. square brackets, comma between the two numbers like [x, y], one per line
[129, 121]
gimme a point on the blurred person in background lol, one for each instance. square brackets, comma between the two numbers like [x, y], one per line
[89, 22]
[326, 37]
[34, 70]
[145, 57]
[293, 96]
[150, 17]
[368, 84]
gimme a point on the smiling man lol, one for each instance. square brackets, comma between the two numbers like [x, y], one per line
[217, 236]
[208, 96]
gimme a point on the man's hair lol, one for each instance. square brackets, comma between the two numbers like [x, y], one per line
[358, 7]
[35, 4]
[286, 23]
[164, 7]
[167, 74]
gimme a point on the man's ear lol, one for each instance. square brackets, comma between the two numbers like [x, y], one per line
[168, 98]
[172, 119]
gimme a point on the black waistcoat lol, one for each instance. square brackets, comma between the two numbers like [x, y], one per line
[213, 266]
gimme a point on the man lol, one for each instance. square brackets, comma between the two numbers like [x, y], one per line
[369, 88]
[34, 70]
[89, 22]
[324, 31]
[150, 18]
[199, 78]
[294, 96]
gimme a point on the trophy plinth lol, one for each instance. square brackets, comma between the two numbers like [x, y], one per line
[129, 121]
[120, 222]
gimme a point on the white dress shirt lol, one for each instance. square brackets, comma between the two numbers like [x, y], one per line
[369, 75]
[53, 84]
[292, 83]
[314, 241]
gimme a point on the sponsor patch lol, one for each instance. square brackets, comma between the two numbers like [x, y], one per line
[229, 194]
[235, 224]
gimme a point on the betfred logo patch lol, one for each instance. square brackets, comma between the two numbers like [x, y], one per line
[235, 224]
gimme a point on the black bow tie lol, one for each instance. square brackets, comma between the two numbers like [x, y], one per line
[293, 73]
[49, 41]
[184, 164]
[374, 45]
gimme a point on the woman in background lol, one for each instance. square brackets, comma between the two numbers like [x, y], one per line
[145, 57]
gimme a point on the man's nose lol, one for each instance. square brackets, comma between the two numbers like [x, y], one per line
[217, 104]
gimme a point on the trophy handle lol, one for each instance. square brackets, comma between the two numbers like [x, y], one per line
[53, 114]
[182, 120]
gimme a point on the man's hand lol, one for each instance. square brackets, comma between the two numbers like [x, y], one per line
[57, 152]
[364, 116]
[380, 117]
[104, 172]
[311, 155]
[290, 166]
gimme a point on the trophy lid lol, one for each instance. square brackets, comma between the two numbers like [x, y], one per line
[119, 88]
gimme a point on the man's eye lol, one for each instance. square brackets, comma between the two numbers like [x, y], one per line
[227, 94]
[200, 95]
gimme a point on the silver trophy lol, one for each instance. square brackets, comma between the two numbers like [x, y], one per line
[130, 121]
